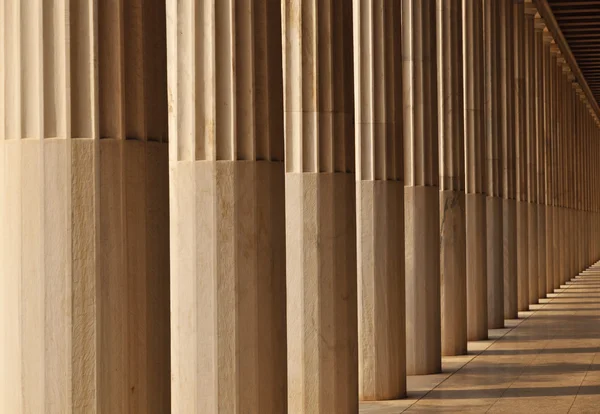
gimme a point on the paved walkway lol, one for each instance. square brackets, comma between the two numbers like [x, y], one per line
[548, 361]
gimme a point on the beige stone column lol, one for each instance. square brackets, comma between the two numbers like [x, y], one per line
[421, 175]
[320, 200]
[521, 157]
[475, 155]
[452, 178]
[556, 234]
[379, 199]
[530, 121]
[494, 256]
[84, 262]
[227, 207]
[551, 226]
[507, 133]
[539, 26]
[547, 140]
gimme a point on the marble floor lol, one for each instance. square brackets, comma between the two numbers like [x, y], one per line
[547, 361]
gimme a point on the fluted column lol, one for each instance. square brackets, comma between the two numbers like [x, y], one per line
[507, 133]
[421, 175]
[547, 177]
[552, 255]
[475, 155]
[320, 200]
[227, 207]
[379, 199]
[84, 256]
[539, 26]
[521, 157]
[452, 178]
[494, 256]
[531, 127]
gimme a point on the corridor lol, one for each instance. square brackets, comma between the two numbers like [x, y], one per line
[547, 361]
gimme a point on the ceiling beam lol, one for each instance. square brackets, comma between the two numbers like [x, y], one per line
[546, 13]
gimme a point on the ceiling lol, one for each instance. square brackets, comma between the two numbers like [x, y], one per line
[579, 21]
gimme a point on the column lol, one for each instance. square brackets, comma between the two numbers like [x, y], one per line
[507, 134]
[227, 207]
[547, 178]
[539, 26]
[552, 246]
[475, 155]
[521, 158]
[494, 245]
[379, 199]
[452, 178]
[421, 192]
[84, 292]
[320, 206]
[530, 106]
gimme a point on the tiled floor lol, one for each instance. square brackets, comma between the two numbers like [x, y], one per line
[548, 361]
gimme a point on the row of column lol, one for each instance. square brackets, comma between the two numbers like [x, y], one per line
[435, 162]
[352, 190]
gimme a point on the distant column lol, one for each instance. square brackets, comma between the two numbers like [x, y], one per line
[494, 256]
[475, 155]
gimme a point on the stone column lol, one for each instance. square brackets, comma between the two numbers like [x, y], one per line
[539, 26]
[474, 88]
[507, 134]
[421, 174]
[530, 106]
[547, 140]
[551, 219]
[452, 178]
[227, 207]
[84, 254]
[320, 201]
[379, 199]
[494, 256]
[521, 157]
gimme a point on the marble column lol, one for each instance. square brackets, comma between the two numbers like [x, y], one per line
[494, 245]
[530, 106]
[379, 199]
[452, 178]
[421, 175]
[475, 154]
[539, 26]
[507, 134]
[84, 253]
[521, 157]
[320, 205]
[227, 207]
[547, 140]
[552, 219]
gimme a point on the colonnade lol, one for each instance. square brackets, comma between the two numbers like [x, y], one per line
[348, 191]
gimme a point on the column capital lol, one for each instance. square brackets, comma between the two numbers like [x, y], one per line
[530, 8]
[539, 23]
[548, 37]
[554, 49]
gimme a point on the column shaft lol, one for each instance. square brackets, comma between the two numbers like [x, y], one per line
[507, 133]
[320, 203]
[228, 340]
[379, 200]
[521, 157]
[452, 178]
[421, 202]
[473, 39]
[494, 245]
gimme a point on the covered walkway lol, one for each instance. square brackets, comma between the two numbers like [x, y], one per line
[547, 361]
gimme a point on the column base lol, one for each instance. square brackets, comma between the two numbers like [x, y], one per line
[495, 263]
[381, 298]
[477, 322]
[509, 236]
[453, 277]
[522, 257]
[423, 316]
